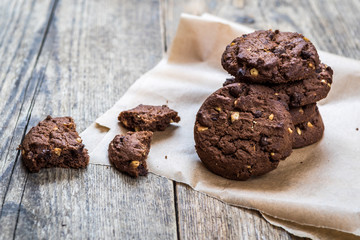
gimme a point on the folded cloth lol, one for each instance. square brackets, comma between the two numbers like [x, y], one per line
[313, 193]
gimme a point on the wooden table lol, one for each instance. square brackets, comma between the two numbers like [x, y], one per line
[77, 57]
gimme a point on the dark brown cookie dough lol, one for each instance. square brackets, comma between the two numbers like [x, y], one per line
[309, 90]
[303, 114]
[271, 57]
[128, 152]
[308, 132]
[148, 118]
[239, 132]
[54, 142]
[301, 93]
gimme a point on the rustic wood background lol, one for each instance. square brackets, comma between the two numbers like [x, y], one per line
[77, 57]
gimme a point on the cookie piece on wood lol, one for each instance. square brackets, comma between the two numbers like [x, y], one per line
[54, 142]
[148, 118]
[240, 132]
[128, 152]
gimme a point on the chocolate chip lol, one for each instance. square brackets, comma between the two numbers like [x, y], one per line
[305, 54]
[235, 91]
[214, 117]
[264, 141]
[257, 114]
[296, 98]
[241, 72]
[229, 81]
[318, 70]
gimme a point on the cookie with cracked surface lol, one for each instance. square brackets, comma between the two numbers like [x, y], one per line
[54, 142]
[239, 132]
[268, 56]
[128, 152]
[148, 118]
[308, 132]
[309, 90]
[303, 114]
[301, 93]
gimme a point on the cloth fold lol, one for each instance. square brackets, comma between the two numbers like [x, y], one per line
[313, 193]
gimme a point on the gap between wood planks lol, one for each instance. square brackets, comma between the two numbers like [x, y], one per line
[28, 115]
[162, 6]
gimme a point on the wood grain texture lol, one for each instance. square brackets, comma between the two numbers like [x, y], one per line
[331, 25]
[93, 52]
[64, 57]
[204, 217]
[96, 203]
[23, 26]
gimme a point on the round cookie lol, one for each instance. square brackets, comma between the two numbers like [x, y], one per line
[240, 132]
[303, 114]
[308, 132]
[271, 57]
[301, 93]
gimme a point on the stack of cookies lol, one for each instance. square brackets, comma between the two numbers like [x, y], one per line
[267, 108]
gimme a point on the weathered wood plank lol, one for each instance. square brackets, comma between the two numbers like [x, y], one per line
[331, 25]
[23, 26]
[94, 51]
[203, 217]
[96, 203]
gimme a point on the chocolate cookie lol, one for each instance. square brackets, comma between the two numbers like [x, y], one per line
[309, 90]
[54, 142]
[148, 118]
[308, 132]
[304, 92]
[303, 114]
[240, 133]
[128, 152]
[271, 57]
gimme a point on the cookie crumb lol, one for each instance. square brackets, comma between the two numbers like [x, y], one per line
[357, 129]
[165, 156]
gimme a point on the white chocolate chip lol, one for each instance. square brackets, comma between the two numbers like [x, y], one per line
[201, 128]
[298, 131]
[254, 72]
[134, 164]
[235, 116]
[57, 151]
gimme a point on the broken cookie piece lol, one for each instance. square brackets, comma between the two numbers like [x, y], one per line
[54, 142]
[128, 152]
[148, 118]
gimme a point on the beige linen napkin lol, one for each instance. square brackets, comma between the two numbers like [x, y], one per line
[314, 193]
